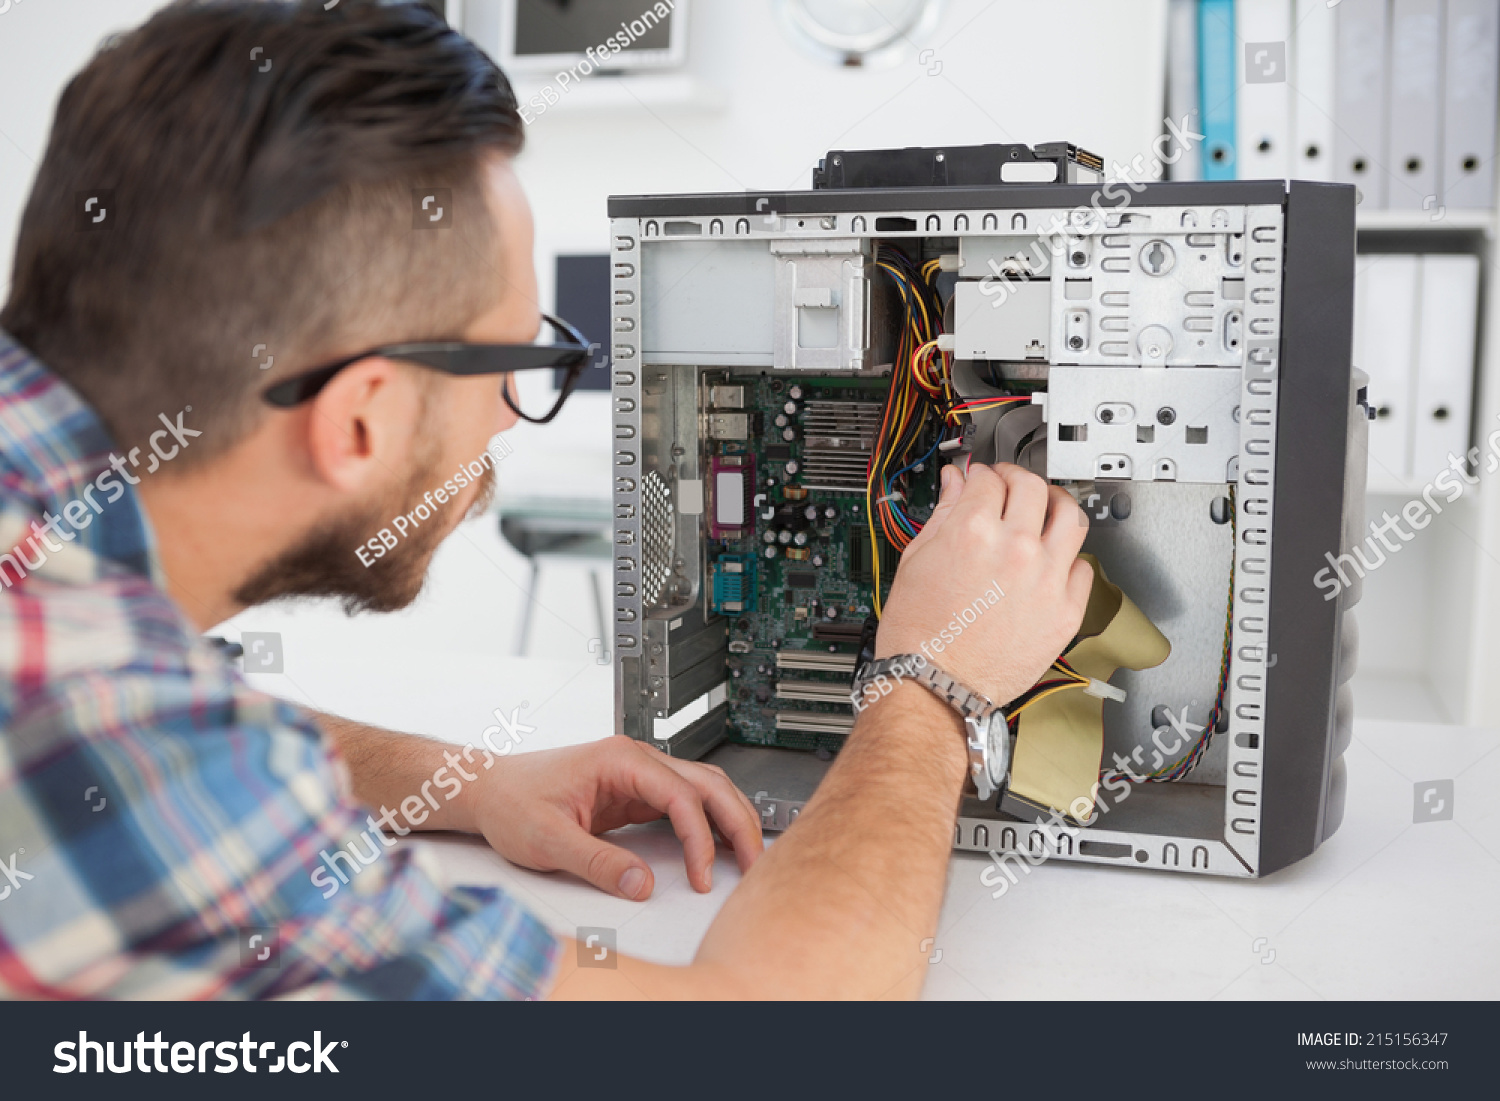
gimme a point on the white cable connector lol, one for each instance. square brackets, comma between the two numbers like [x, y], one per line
[1103, 690]
[950, 261]
[945, 342]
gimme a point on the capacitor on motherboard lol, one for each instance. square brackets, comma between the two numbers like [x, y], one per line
[800, 539]
[792, 466]
[795, 393]
[769, 536]
[783, 537]
[771, 551]
[811, 512]
[791, 408]
[830, 513]
[789, 434]
[818, 561]
[830, 612]
[781, 420]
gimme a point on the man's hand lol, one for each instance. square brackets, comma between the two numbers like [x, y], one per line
[1001, 529]
[544, 810]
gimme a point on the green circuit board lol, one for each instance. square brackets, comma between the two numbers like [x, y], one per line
[795, 579]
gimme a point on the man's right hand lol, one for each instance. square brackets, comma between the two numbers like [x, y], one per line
[1003, 530]
[846, 903]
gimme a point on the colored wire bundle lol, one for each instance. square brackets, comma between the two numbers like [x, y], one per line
[920, 405]
[979, 405]
[920, 394]
[1064, 677]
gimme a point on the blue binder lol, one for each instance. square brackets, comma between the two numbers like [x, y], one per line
[1216, 86]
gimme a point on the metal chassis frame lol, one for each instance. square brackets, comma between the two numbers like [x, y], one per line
[1323, 214]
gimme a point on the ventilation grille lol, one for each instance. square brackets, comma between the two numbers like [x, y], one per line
[838, 437]
[656, 537]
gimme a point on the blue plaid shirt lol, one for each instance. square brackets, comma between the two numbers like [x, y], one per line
[156, 814]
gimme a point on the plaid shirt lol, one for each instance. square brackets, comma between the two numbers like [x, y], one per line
[155, 812]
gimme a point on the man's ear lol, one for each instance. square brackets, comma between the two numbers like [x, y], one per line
[360, 426]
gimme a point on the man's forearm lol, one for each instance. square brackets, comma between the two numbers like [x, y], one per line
[841, 904]
[388, 768]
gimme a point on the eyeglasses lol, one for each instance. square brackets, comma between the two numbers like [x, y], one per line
[568, 351]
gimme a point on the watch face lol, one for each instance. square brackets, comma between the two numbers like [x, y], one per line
[998, 757]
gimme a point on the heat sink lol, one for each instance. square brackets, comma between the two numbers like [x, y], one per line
[837, 438]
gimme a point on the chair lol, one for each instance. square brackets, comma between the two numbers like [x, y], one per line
[576, 528]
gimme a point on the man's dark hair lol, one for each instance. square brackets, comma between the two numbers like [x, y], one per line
[259, 165]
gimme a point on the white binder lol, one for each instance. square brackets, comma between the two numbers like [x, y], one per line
[1445, 362]
[1263, 126]
[1182, 84]
[1471, 66]
[1313, 90]
[1361, 29]
[1414, 112]
[1385, 313]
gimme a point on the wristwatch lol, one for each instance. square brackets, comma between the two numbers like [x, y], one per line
[986, 731]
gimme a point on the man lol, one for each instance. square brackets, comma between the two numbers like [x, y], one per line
[201, 410]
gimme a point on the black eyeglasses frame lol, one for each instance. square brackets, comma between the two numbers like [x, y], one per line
[461, 359]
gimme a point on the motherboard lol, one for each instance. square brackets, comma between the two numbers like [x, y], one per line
[790, 563]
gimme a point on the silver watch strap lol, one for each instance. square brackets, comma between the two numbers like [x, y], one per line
[916, 668]
[989, 755]
[962, 699]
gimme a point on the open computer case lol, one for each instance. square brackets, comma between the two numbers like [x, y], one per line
[1177, 355]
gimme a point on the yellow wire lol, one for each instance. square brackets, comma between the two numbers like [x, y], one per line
[1071, 674]
[918, 332]
[1044, 695]
[874, 546]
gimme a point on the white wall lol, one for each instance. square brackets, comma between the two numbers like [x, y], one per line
[761, 115]
[1087, 71]
[42, 44]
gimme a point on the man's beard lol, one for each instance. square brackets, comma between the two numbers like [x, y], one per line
[323, 563]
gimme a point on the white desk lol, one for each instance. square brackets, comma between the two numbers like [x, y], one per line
[1385, 909]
